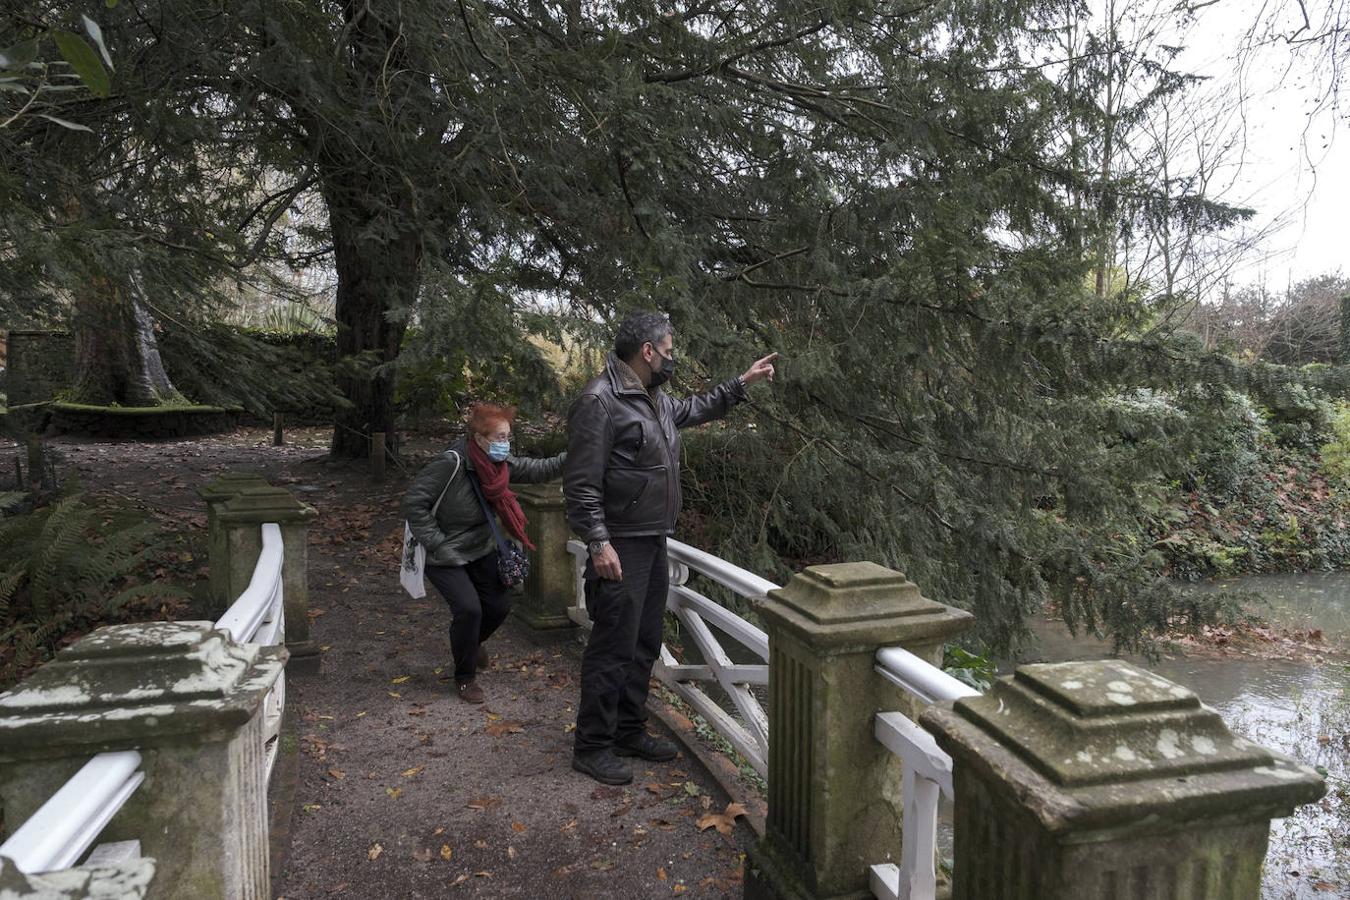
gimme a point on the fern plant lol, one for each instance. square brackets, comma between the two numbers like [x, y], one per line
[63, 567]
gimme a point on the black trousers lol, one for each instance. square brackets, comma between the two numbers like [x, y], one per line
[625, 640]
[478, 604]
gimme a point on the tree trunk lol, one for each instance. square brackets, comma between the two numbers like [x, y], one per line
[375, 276]
[116, 354]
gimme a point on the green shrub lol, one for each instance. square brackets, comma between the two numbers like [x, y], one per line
[64, 567]
[1299, 415]
[1336, 452]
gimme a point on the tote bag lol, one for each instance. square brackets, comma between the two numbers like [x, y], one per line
[414, 554]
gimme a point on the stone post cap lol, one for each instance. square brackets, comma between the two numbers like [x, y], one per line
[265, 503]
[227, 485]
[860, 602]
[548, 495]
[1107, 744]
[127, 686]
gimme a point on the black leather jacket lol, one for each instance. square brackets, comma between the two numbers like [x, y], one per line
[622, 475]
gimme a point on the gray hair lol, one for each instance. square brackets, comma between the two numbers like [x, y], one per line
[638, 328]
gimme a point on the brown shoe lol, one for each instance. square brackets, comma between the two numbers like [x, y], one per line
[484, 661]
[470, 692]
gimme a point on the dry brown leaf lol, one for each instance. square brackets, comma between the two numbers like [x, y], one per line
[678, 889]
[393, 792]
[440, 829]
[460, 880]
[422, 855]
[480, 844]
[571, 823]
[446, 852]
[374, 851]
[482, 874]
[510, 852]
[654, 788]
[400, 679]
[724, 822]
[337, 773]
[481, 803]
[661, 874]
[519, 827]
[497, 729]
[413, 772]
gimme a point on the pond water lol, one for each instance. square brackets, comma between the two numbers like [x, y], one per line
[1301, 709]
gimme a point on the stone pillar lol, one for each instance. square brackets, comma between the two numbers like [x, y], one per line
[216, 493]
[1100, 779]
[550, 589]
[240, 519]
[834, 791]
[191, 701]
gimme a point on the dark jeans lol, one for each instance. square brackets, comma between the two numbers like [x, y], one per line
[625, 641]
[478, 604]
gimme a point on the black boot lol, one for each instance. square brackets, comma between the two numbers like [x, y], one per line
[603, 766]
[646, 746]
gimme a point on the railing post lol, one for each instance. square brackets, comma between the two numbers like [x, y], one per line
[835, 801]
[191, 700]
[551, 588]
[216, 493]
[241, 518]
[1100, 779]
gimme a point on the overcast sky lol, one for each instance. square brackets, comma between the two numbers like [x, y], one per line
[1295, 168]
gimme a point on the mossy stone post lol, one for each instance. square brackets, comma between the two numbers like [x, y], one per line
[241, 518]
[216, 493]
[551, 587]
[834, 791]
[1100, 779]
[191, 701]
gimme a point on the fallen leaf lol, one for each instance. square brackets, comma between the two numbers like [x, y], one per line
[519, 827]
[661, 874]
[339, 888]
[393, 792]
[678, 889]
[400, 679]
[691, 789]
[490, 802]
[337, 773]
[724, 822]
[497, 729]
[482, 874]
[360, 714]
[310, 807]
[374, 851]
[460, 880]
[439, 830]
[422, 855]
[480, 844]
[394, 694]
[654, 788]
[572, 823]
[413, 772]
[510, 852]
[602, 865]
[446, 852]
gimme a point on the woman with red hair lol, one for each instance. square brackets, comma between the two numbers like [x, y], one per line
[446, 515]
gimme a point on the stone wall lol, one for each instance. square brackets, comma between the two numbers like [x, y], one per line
[39, 364]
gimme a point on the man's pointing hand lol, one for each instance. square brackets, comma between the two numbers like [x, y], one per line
[762, 368]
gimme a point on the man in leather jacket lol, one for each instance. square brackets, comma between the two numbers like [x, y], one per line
[622, 486]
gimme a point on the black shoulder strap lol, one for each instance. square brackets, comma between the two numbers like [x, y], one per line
[492, 519]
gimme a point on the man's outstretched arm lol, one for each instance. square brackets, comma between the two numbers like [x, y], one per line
[716, 403]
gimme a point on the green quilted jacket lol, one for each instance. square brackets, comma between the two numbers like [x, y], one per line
[459, 532]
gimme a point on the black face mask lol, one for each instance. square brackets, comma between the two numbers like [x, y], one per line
[665, 373]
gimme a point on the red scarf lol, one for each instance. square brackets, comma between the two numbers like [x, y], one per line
[495, 479]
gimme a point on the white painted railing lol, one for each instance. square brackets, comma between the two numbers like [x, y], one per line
[927, 773]
[748, 730]
[63, 828]
[259, 617]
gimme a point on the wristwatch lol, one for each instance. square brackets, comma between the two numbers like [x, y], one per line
[595, 548]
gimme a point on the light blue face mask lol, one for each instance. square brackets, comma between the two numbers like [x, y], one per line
[499, 450]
